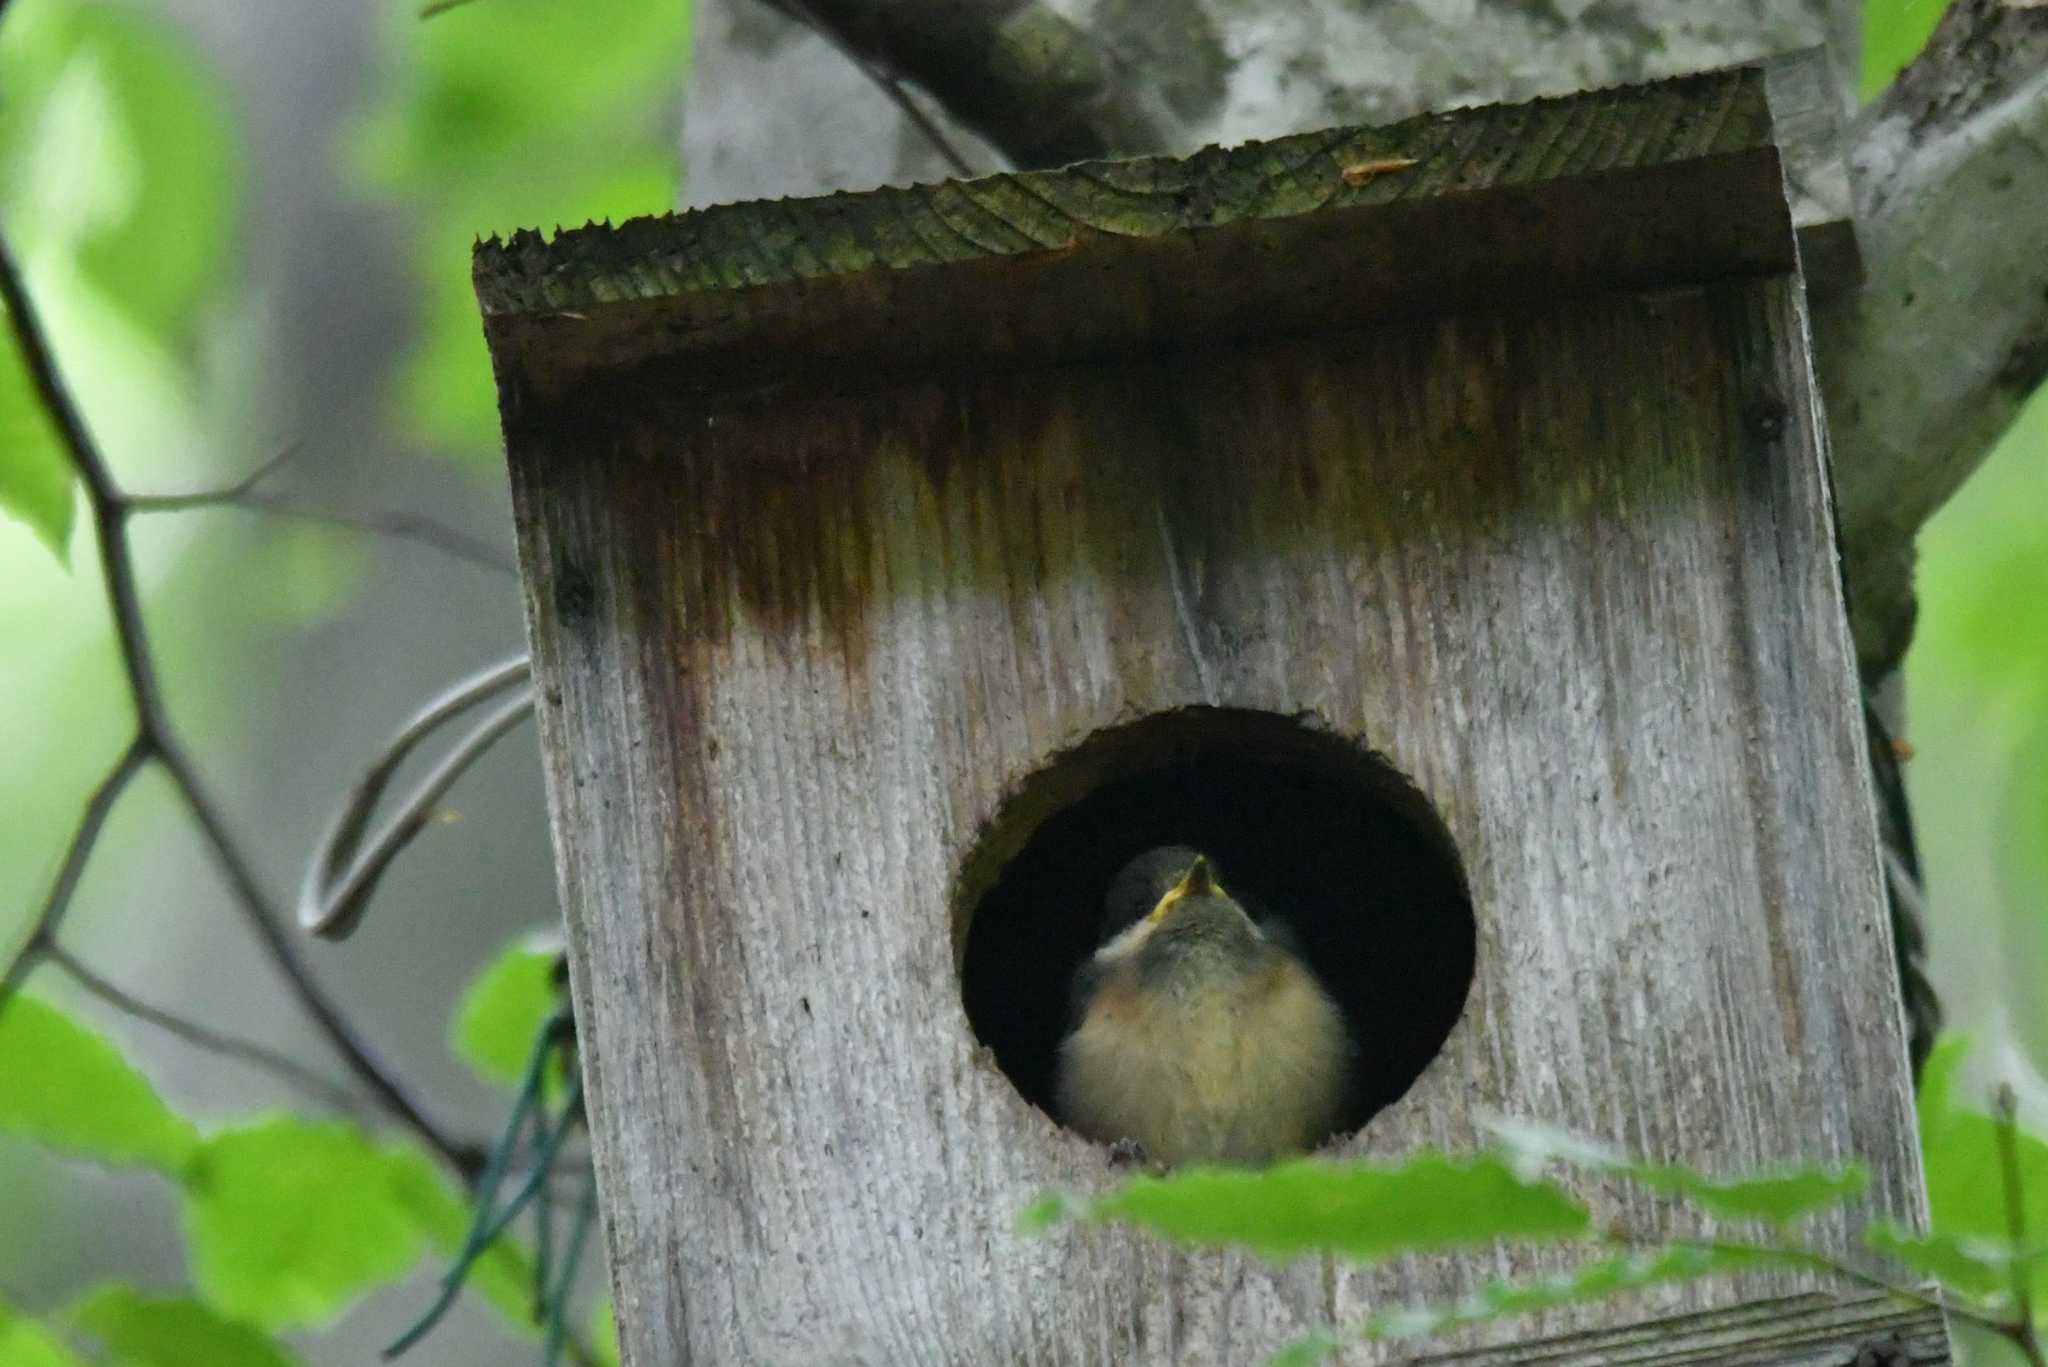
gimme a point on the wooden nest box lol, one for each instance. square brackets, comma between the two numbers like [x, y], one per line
[1432, 521]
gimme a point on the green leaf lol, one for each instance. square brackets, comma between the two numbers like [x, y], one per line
[157, 1331]
[1594, 1281]
[1781, 1196]
[1310, 1350]
[1358, 1210]
[1966, 1184]
[118, 140]
[289, 1222]
[35, 470]
[24, 1343]
[1894, 31]
[519, 113]
[504, 1007]
[66, 1086]
[1049, 1210]
[476, 88]
[1974, 1268]
[604, 1333]
[446, 390]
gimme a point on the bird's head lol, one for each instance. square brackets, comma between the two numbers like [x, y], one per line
[1172, 898]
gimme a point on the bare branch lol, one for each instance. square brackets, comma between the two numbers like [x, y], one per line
[339, 880]
[397, 526]
[421, 531]
[202, 1037]
[884, 79]
[1035, 85]
[158, 737]
[85, 836]
[208, 498]
[1925, 368]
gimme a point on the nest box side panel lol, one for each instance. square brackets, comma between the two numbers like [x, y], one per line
[1569, 567]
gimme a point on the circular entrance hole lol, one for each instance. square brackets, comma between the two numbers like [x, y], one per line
[1299, 822]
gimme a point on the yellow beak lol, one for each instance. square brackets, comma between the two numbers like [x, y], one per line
[1198, 881]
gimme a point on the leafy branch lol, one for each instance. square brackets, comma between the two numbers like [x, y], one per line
[203, 1037]
[156, 740]
[1364, 1213]
[2021, 1331]
[339, 881]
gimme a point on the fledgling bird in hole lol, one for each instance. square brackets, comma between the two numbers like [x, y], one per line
[1199, 1035]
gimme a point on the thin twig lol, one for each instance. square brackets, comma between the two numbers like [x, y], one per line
[339, 880]
[1821, 1262]
[398, 526]
[421, 531]
[2023, 1333]
[208, 498]
[886, 80]
[156, 735]
[211, 1040]
[43, 930]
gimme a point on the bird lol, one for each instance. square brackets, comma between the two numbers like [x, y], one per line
[1199, 1036]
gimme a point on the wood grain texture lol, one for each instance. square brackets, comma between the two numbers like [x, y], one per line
[1647, 185]
[733, 246]
[1795, 1331]
[1562, 554]
[1569, 568]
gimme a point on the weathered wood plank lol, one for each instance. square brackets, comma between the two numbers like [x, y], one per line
[1569, 568]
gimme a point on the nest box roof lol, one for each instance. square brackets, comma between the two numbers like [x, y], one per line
[1674, 183]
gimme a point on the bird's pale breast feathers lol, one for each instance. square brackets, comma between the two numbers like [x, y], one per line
[1203, 1041]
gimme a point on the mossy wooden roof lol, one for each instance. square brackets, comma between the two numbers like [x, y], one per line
[1671, 183]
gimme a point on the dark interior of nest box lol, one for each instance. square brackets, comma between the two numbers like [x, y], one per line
[1299, 821]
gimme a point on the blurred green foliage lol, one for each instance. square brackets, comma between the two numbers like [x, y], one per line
[166, 1331]
[1894, 31]
[1977, 700]
[289, 1221]
[25, 1343]
[123, 140]
[1966, 1189]
[67, 1087]
[502, 1012]
[1364, 1212]
[35, 475]
[1779, 1197]
[121, 173]
[1361, 1211]
[503, 114]
[121, 176]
